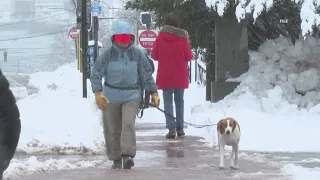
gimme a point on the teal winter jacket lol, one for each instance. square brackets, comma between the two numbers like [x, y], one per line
[125, 72]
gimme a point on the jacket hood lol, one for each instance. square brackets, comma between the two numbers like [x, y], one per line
[122, 27]
[172, 33]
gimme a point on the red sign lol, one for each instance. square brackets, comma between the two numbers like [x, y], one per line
[73, 33]
[147, 38]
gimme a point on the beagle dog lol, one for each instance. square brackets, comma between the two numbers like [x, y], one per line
[228, 131]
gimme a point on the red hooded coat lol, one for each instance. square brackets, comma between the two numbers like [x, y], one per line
[172, 51]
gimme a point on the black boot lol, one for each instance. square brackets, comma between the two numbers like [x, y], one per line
[127, 162]
[171, 134]
[117, 164]
[180, 132]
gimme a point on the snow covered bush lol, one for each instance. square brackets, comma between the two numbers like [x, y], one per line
[282, 70]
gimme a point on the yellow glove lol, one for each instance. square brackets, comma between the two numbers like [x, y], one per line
[155, 100]
[101, 101]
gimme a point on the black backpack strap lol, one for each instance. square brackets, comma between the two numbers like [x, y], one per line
[151, 63]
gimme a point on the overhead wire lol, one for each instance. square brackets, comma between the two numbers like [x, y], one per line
[21, 22]
[42, 31]
[34, 48]
[35, 36]
[22, 60]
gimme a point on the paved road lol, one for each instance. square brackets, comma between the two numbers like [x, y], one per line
[160, 159]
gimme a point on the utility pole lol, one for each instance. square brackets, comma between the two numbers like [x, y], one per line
[84, 46]
[147, 20]
[95, 37]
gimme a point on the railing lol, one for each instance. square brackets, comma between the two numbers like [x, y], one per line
[197, 71]
[201, 72]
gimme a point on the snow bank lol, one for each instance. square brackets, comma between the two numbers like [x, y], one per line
[278, 93]
[277, 103]
[32, 165]
[300, 173]
[282, 73]
[261, 131]
[57, 120]
[19, 92]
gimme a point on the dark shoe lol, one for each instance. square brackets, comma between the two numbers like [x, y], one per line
[117, 164]
[180, 132]
[171, 134]
[128, 162]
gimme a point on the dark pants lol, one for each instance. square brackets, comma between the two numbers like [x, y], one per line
[171, 123]
[10, 128]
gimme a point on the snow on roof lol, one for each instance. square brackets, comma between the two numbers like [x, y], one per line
[307, 14]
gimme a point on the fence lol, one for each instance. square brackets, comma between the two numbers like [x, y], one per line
[197, 75]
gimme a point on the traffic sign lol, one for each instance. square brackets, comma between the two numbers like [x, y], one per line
[146, 18]
[96, 8]
[73, 33]
[147, 38]
[90, 51]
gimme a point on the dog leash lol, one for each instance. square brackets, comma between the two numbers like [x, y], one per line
[190, 124]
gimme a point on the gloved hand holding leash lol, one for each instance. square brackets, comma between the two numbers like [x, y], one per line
[101, 101]
[155, 100]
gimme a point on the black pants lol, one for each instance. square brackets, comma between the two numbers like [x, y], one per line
[10, 128]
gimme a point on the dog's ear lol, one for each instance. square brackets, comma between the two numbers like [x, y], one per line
[238, 126]
[233, 123]
[221, 126]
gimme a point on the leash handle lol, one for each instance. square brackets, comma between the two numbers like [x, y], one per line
[147, 95]
[141, 113]
[146, 103]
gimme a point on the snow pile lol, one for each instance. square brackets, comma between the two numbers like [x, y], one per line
[260, 131]
[308, 15]
[32, 165]
[19, 92]
[19, 85]
[279, 92]
[276, 104]
[283, 74]
[300, 173]
[57, 120]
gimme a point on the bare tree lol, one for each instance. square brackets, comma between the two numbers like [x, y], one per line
[65, 49]
[105, 32]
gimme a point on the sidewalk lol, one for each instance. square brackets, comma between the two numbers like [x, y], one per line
[161, 159]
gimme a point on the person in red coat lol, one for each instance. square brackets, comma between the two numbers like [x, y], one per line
[172, 51]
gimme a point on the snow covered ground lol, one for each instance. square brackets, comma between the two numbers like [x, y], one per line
[276, 105]
[56, 120]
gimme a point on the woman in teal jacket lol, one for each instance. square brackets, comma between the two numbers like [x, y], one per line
[126, 71]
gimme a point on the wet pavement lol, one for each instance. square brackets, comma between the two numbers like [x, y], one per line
[161, 159]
